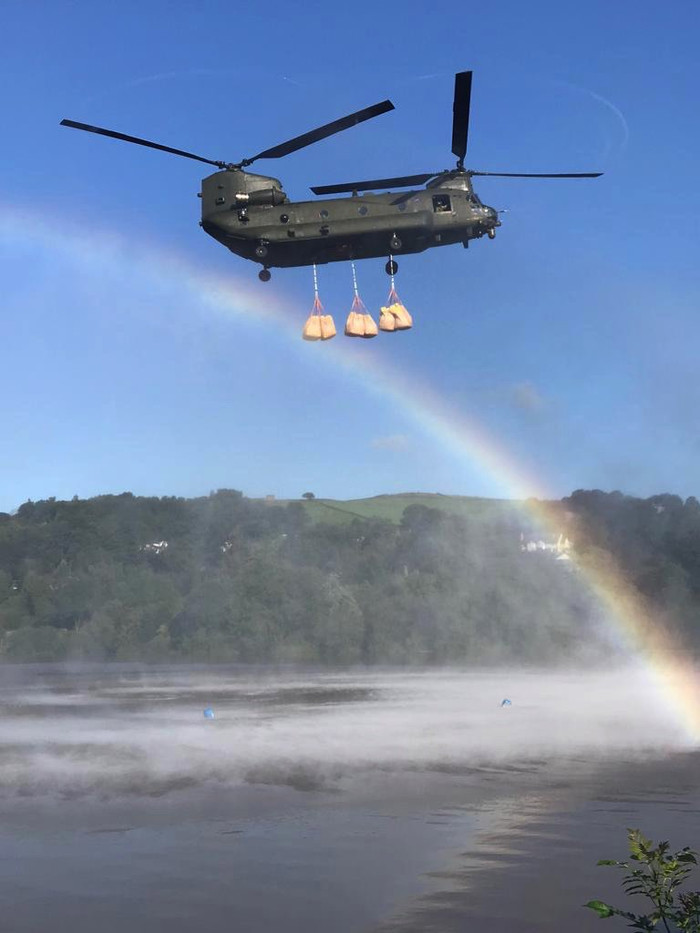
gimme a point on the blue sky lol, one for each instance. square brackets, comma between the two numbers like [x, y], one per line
[571, 340]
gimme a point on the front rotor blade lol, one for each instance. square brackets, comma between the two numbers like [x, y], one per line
[140, 142]
[540, 175]
[329, 129]
[460, 114]
[402, 181]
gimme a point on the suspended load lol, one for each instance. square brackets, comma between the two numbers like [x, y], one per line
[360, 322]
[319, 326]
[395, 316]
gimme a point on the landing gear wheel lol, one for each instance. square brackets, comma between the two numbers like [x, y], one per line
[395, 243]
[492, 234]
[264, 275]
[391, 268]
[261, 251]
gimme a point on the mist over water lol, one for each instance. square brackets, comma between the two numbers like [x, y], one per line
[117, 731]
[313, 800]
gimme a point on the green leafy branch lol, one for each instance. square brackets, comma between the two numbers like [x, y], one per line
[655, 874]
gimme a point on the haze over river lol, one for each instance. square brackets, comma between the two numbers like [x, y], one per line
[340, 802]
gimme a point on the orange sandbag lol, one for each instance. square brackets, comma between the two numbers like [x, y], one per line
[403, 319]
[387, 321]
[354, 326]
[327, 326]
[312, 328]
[370, 326]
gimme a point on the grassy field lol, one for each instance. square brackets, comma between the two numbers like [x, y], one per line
[391, 508]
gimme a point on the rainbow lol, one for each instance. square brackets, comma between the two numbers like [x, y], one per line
[676, 681]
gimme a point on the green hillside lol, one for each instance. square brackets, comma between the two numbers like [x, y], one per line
[396, 579]
[391, 507]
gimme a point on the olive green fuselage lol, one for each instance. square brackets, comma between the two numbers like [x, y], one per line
[252, 216]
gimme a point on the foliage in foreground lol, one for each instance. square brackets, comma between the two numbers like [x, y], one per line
[656, 875]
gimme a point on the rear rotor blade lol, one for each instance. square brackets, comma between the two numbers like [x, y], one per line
[402, 181]
[329, 129]
[140, 142]
[540, 174]
[460, 115]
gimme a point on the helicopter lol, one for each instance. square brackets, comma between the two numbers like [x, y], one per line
[253, 217]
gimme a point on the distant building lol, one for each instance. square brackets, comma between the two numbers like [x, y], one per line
[157, 547]
[559, 547]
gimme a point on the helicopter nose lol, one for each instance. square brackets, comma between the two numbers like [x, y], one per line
[491, 221]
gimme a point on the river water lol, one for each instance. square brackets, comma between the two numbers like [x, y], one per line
[346, 802]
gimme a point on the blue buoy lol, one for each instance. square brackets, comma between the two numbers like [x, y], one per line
[506, 702]
[208, 713]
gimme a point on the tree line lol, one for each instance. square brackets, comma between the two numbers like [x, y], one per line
[224, 578]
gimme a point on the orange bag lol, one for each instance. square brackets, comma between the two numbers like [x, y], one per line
[327, 326]
[403, 319]
[312, 328]
[387, 321]
[354, 326]
[369, 325]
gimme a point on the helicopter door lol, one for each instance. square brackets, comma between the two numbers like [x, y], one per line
[442, 204]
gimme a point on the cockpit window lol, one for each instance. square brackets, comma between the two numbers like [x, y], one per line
[441, 204]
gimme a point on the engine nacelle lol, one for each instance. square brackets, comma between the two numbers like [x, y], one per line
[271, 196]
[235, 189]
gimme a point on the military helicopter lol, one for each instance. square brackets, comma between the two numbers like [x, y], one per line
[252, 216]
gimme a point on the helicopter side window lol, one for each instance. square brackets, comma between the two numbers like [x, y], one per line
[441, 204]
